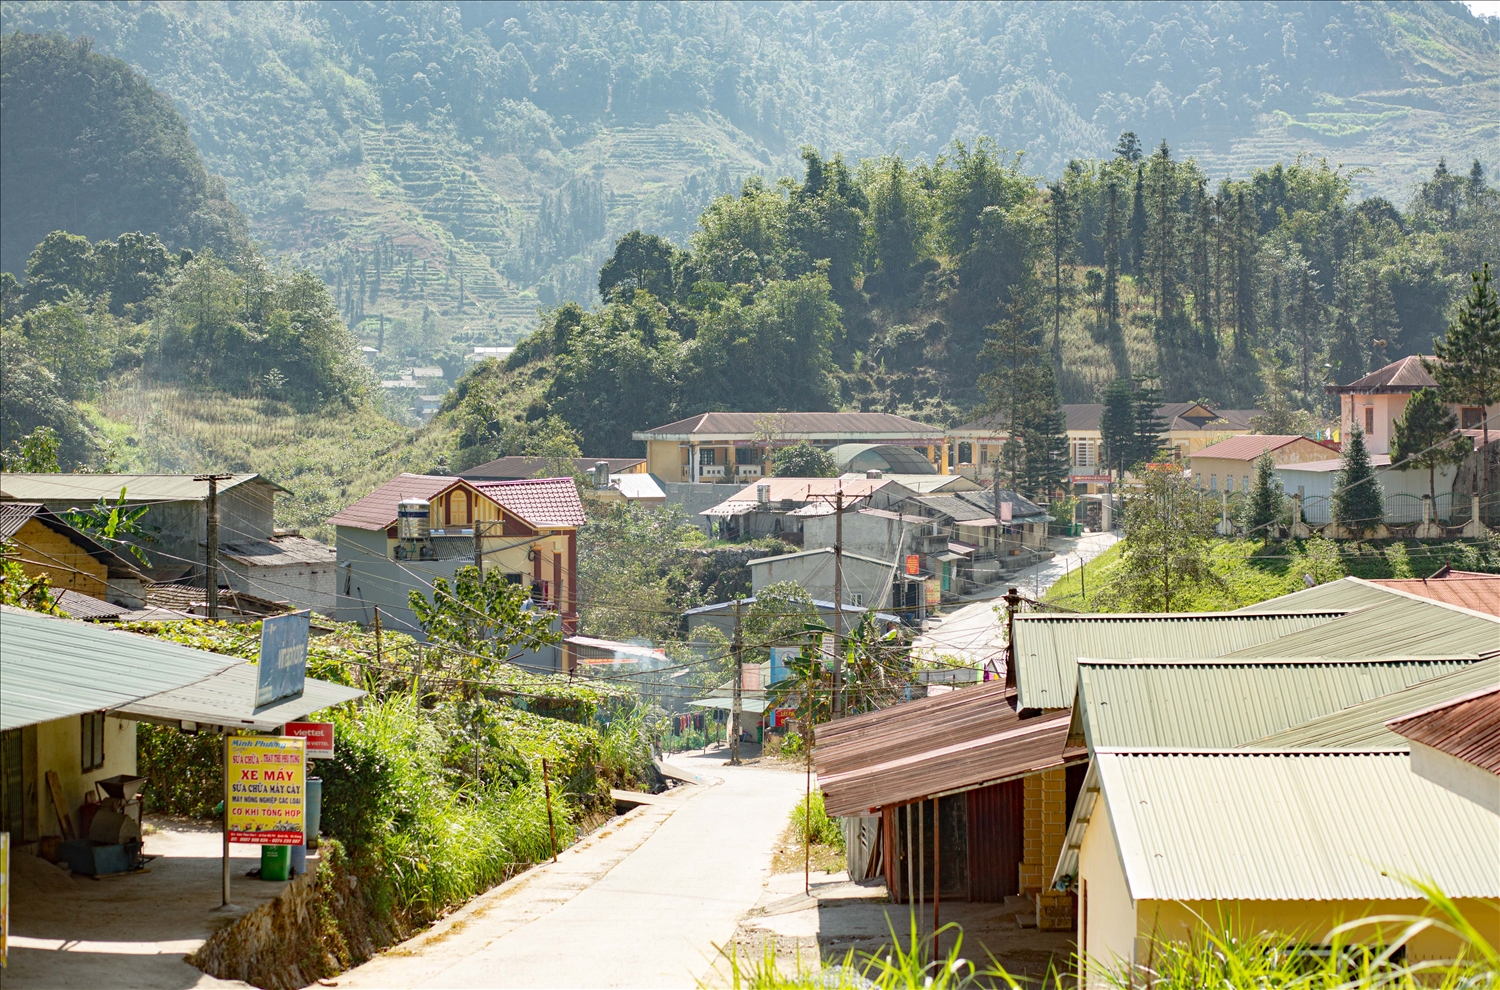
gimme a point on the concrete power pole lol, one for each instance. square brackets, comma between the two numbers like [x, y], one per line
[739, 684]
[211, 551]
[838, 604]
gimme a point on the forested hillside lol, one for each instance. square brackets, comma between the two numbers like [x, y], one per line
[945, 290]
[447, 168]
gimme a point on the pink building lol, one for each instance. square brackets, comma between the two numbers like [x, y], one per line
[1376, 401]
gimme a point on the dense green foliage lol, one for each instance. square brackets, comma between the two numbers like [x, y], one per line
[1358, 502]
[102, 152]
[90, 314]
[452, 166]
[1426, 436]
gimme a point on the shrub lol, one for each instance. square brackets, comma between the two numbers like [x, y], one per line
[825, 831]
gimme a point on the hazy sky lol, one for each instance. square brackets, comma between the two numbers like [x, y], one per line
[1484, 8]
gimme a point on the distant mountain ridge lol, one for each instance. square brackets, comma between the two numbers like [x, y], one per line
[453, 166]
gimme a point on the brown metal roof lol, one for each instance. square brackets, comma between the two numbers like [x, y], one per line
[811, 425]
[958, 741]
[1467, 589]
[278, 551]
[1403, 375]
[1466, 728]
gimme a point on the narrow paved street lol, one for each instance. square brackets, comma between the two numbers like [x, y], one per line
[642, 903]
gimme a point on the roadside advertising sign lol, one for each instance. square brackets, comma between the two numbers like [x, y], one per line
[283, 658]
[783, 715]
[934, 591]
[779, 657]
[317, 735]
[266, 790]
[913, 564]
[1006, 512]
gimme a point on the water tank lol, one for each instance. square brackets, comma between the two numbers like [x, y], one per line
[763, 494]
[411, 518]
[874, 474]
[601, 474]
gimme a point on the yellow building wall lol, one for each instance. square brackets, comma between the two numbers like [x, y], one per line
[59, 748]
[44, 553]
[1106, 913]
[664, 458]
[1313, 920]
[1046, 804]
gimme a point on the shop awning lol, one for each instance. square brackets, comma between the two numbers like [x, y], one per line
[228, 699]
[954, 742]
[52, 668]
[755, 706]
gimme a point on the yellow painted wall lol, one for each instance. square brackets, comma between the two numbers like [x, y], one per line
[44, 553]
[1313, 920]
[59, 747]
[1106, 914]
[665, 459]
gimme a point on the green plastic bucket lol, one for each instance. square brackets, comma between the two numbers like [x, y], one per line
[275, 862]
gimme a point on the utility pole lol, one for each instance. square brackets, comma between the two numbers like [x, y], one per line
[838, 604]
[379, 656]
[739, 683]
[211, 551]
[478, 551]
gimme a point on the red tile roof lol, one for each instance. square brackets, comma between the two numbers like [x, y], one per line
[1467, 589]
[1404, 375]
[543, 502]
[377, 510]
[1466, 728]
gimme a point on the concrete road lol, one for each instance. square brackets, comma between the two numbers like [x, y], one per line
[645, 902]
[975, 632]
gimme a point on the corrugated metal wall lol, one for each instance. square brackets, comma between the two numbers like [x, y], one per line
[997, 822]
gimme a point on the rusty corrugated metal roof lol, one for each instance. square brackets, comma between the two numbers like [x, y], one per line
[1466, 728]
[1402, 375]
[377, 510]
[1466, 589]
[954, 742]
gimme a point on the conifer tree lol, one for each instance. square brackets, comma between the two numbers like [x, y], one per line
[1266, 504]
[1117, 425]
[1043, 429]
[1467, 369]
[1426, 436]
[1138, 222]
[1358, 505]
[1112, 233]
[1149, 425]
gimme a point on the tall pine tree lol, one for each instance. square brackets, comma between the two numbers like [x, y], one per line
[1426, 436]
[1358, 503]
[1467, 368]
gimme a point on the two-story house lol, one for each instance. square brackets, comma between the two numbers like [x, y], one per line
[1376, 401]
[419, 527]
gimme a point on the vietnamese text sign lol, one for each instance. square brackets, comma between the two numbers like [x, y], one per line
[266, 795]
[913, 564]
[317, 735]
[283, 658]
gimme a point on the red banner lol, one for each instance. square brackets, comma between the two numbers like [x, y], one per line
[318, 736]
[913, 564]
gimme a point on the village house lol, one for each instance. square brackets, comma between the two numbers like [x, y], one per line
[74, 563]
[1312, 848]
[1190, 426]
[735, 447]
[780, 506]
[417, 527]
[1453, 743]
[177, 517]
[868, 582]
[1229, 465]
[1375, 402]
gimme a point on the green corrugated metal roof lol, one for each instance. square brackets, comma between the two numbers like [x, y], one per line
[1221, 703]
[1048, 645]
[1395, 626]
[1362, 727]
[52, 668]
[1257, 826]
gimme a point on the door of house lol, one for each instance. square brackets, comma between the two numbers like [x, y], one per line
[997, 837]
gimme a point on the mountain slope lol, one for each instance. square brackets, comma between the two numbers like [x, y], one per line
[451, 167]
